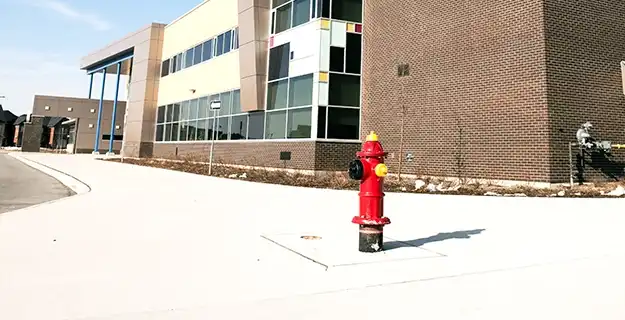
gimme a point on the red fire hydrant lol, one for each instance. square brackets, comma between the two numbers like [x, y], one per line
[370, 169]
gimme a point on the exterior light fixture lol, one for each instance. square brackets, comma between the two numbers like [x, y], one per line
[46, 108]
[70, 109]
[117, 127]
[90, 125]
[92, 110]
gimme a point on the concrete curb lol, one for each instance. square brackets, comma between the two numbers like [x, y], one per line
[69, 181]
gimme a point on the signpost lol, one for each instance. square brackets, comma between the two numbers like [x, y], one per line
[215, 106]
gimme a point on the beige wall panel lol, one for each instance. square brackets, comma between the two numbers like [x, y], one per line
[214, 76]
[203, 22]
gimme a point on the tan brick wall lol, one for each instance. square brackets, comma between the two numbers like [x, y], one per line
[476, 96]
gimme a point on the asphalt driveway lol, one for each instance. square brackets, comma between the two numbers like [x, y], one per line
[22, 186]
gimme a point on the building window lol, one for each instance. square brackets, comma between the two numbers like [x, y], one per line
[321, 123]
[283, 18]
[117, 137]
[289, 13]
[193, 109]
[227, 41]
[299, 123]
[256, 125]
[188, 58]
[300, 91]
[197, 54]
[275, 128]
[238, 127]
[235, 38]
[219, 50]
[203, 108]
[353, 53]
[179, 62]
[344, 90]
[165, 68]
[225, 103]
[348, 10]
[279, 62]
[236, 101]
[337, 59]
[176, 112]
[343, 123]
[160, 117]
[277, 94]
[207, 50]
[174, 63]
[159, 132]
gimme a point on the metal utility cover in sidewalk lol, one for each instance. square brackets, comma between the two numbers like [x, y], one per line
[338, 250]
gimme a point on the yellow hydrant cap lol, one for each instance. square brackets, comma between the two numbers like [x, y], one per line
[372, 136]
[381, 170]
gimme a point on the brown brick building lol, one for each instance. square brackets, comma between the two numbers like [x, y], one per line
[496, 89]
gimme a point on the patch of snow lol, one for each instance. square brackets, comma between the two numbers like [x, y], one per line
[562, 193]
[243, 175]
[431, 188]
[490, 193]
[232, 176]
[618, 192]
[419, 184]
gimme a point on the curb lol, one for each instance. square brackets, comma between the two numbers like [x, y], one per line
[69, 181]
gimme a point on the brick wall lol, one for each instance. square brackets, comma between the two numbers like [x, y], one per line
[584, 49]
[475, 98]
[305, 155]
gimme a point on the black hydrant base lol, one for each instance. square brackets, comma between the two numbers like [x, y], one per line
[371, 239]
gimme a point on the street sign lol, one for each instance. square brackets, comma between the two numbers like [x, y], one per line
[215, 105]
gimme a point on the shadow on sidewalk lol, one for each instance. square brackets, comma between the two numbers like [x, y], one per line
[439, 237]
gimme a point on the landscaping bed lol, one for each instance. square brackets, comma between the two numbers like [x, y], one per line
[341, 181]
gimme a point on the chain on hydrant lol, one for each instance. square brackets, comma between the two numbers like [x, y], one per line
[370, 169]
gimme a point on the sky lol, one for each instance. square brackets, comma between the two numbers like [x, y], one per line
[42, 42]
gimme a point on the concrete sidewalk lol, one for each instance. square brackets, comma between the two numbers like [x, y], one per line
[147, 243]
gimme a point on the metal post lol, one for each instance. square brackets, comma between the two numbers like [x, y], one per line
[96, 147]
[571, 164]
[90, 86]
[215, 128]
[112, 135]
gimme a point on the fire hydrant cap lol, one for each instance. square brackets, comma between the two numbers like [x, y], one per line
[381, 170]
[372, 136]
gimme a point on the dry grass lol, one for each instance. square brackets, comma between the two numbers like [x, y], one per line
[198, 164]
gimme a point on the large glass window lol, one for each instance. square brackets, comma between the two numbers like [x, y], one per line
[279, 62]
[207, 50]
[256, 125]
[222, 128]
[300, 91]
[348, 10]
[277, 94]
[235, 38]
[238, 127]
[299, 123]
[188, 58]
[344, 90]
[301, 12]
[169, 113]
[275, 128]
[343, 123]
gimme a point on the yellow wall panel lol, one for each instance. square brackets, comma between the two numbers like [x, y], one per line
[203, 22]
[214, 76]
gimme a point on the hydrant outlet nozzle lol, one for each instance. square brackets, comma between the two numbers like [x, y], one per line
[381, 170]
